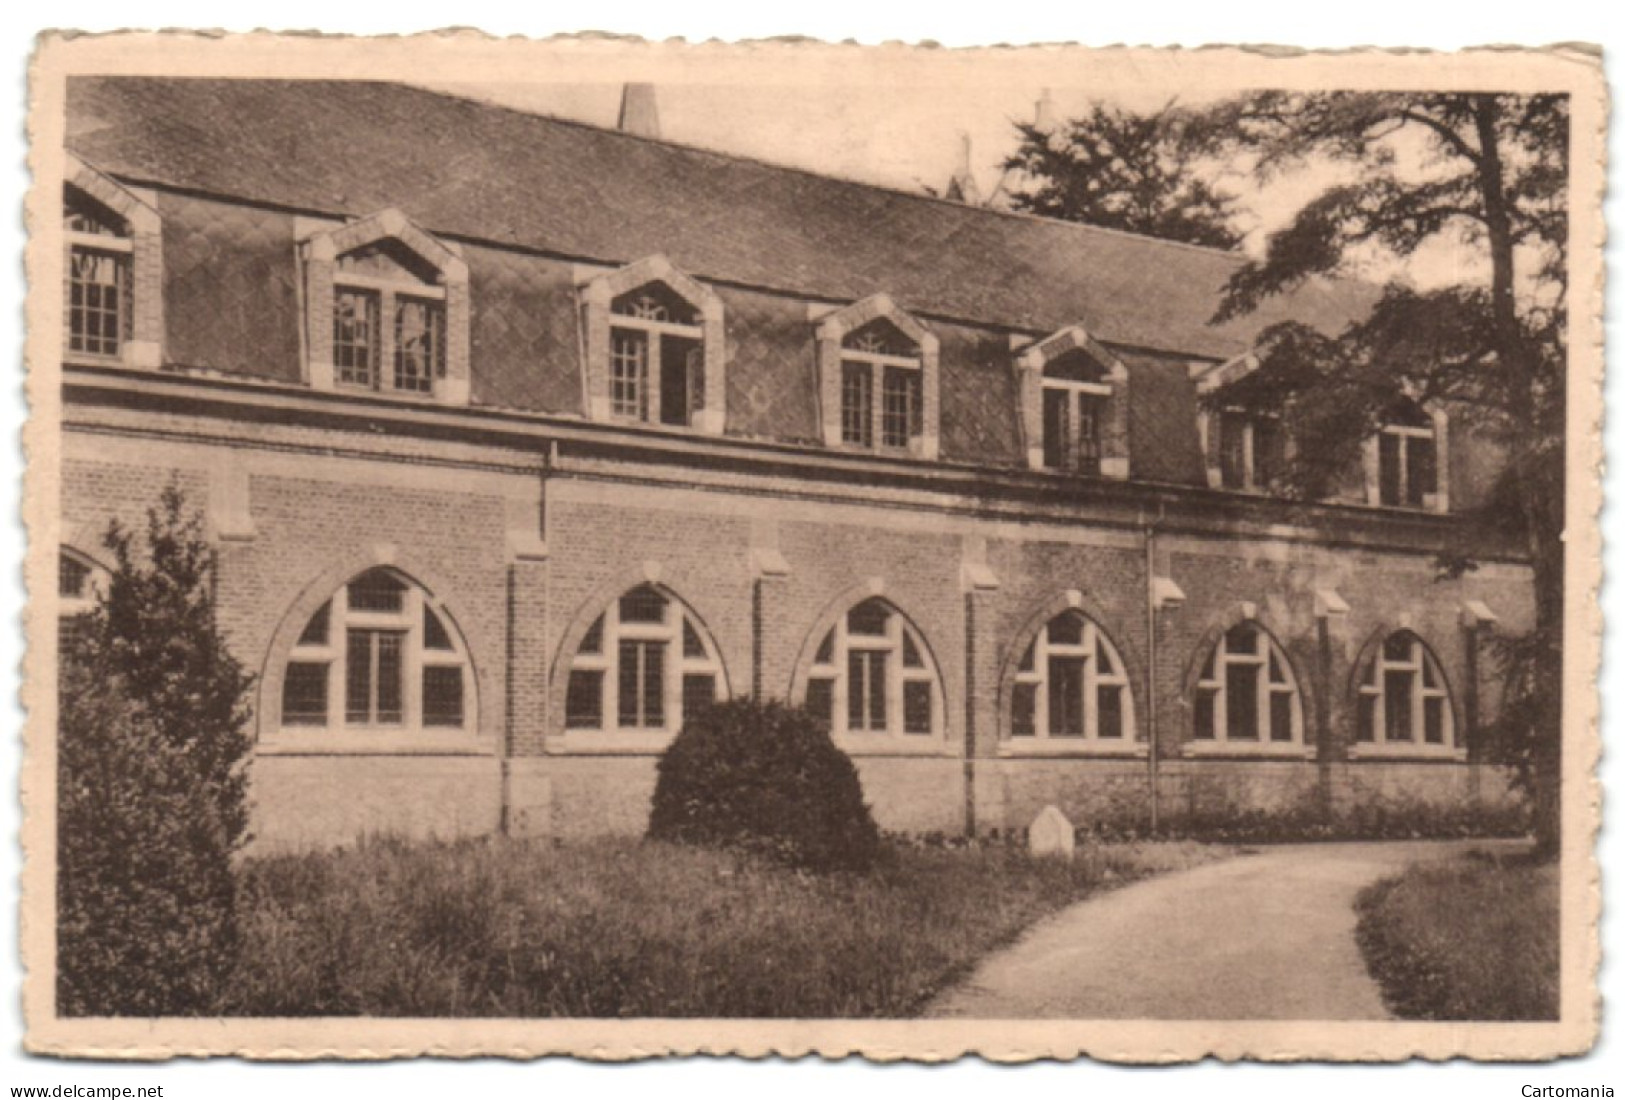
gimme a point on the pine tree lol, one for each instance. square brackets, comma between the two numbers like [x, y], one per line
[152, 785]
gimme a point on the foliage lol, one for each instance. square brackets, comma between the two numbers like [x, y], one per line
[1309, 820]
[1487, 173]
[1122, 170]
[617, 928]
[1467, 940]
[151, 785]
[765, 778]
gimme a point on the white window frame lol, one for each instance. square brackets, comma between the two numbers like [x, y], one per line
[1075, 389]
[410, 734]
[137, 247]
[893, 738]
[1373, 686]
[1405, 433]
[1218, 685]
[1032, 670]
[651, 398]
[1213, 423]
[388, 292]
[609, 735]
[84, 602]
[323, 247]
[833, 329]
[877, 362]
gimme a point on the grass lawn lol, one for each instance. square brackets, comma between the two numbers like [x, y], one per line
[623, 928]
[1475, 939]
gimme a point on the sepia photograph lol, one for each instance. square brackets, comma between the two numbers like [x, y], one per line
[599, 548]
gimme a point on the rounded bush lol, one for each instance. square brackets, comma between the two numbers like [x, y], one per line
[765, 778]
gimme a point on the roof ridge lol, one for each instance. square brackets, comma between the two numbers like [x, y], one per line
[779, 166]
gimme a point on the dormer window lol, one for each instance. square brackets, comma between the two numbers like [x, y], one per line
[388, 310]
[877, 369]
[379, 285]
[1404, 460]
[1249, 449]
[656, 357]
[654, 347]
[1075, 397]
[99, 270]
[113, 311]
[1074, 405]
[881, 391]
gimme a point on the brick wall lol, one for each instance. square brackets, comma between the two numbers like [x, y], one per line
[313, 519]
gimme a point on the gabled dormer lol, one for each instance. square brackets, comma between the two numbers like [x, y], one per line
[113, 269]
[1074, 405]
[654, 347]
[878, 379]
[386, 310]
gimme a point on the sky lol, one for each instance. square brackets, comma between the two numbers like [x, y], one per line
[910, 136]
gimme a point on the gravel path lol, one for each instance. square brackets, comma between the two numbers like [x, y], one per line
[1261, 936]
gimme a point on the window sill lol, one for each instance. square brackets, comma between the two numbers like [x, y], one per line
[1400, 754]
[1245, 750]
[314, 741]
[889, 744]
[1062, 747]
[409, 397]
[610, 742]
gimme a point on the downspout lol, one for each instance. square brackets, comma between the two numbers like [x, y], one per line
[970, 713]
[1151, 665]
[505, 792]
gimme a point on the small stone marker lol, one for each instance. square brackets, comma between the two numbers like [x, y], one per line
[1051, 834]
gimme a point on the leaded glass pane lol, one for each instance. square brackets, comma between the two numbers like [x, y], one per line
[419, 344]
[643, 604]
[1066, 680]
[356, 339]
[1241, 702]
[584, 700]
[868, 618]
[1023, 710]
[318, 630]
[857, 395]
[442, 696]
[377, 590]
[1109, 711]
[1280, 716]
[916, 706]
[304, 694]
[1066, 629]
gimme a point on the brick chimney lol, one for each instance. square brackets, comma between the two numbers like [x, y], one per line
[962, 187]
[1044, 112]
[639, 115]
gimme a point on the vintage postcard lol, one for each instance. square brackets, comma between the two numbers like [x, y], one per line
[612, 549]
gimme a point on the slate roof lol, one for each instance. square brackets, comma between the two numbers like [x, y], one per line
[467, 169]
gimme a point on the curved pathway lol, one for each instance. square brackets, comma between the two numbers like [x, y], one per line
[1266, 935]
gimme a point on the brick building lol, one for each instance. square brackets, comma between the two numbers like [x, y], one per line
[519, 437]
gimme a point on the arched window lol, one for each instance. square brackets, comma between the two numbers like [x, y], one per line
[379, 656]
[1071, 688]
[872, 676]
[1246, 695]
[79, 582]
[645, 665]
[1404, 700]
